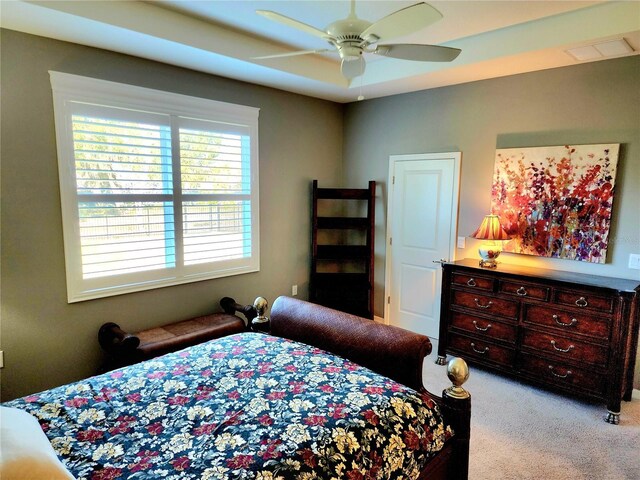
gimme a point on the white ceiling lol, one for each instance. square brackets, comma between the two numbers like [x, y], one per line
[497, 38]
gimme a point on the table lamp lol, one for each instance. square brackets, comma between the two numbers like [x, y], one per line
[491, 231]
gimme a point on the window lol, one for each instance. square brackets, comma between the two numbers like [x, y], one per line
[157, 188]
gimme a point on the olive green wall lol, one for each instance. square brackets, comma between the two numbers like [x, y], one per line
[590, 103]
[47, 341]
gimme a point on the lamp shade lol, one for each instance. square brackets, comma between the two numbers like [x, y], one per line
[490, 229]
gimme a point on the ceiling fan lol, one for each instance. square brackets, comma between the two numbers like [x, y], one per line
[352, 36]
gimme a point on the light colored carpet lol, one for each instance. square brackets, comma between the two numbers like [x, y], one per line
[521, 432]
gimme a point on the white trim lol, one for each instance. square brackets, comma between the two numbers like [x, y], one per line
[456, 158]
[93, 90]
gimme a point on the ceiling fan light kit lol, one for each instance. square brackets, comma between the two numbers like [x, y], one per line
[351, 37]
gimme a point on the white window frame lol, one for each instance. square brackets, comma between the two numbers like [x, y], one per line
[69, 90]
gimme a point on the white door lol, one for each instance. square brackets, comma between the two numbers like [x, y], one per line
[421, 231]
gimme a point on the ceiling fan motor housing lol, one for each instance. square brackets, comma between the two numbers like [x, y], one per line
[346, 33]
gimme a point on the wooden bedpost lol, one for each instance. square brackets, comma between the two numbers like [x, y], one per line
[456, 407]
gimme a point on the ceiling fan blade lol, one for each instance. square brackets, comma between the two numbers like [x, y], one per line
[403, 22]
[420, 53]
[276, 17]
[352, 68]
[291, 54]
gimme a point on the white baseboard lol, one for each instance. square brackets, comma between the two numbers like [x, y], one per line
[379, 319]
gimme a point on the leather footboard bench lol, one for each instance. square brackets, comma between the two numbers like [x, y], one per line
[123, 348]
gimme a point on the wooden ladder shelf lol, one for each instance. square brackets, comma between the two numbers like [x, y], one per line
[343, 258]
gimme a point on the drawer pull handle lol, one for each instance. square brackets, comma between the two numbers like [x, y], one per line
[557, 374]
[582, 302]
[522, 292]
[563, 350]
[475, 324]
[481, 352]
[562, 324]
[471, 282]
[482, 306]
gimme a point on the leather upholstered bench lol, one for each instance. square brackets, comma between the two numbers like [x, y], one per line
[125, 348]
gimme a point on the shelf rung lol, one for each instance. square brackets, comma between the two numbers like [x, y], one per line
[343, 222]
[343, 252]
[343, 193]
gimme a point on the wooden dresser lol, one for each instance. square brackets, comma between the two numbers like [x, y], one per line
[571, 332]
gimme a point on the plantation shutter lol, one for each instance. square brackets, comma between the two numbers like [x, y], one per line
[157, 189]
[124, 186]
[216, 191]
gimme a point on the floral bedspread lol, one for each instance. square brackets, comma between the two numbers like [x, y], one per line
[247, 406]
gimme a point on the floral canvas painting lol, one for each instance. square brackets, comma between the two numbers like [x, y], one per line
[556, 201]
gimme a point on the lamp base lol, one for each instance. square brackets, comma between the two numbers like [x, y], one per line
[488, 255]
[488, 263]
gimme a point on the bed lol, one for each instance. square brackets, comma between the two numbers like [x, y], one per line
[325, 395]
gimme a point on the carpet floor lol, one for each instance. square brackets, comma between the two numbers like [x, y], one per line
[520, 432]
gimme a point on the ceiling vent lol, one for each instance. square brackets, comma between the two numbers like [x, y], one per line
[613, 48]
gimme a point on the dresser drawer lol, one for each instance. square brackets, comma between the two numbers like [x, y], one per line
[481, 350]
[565, 348]
[528, 290]
[556, 373]
[584, 301]
[483, 327]
[471, 281]
[489, 305]
[569, 322]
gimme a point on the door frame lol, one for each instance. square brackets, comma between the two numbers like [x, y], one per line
[455, 158]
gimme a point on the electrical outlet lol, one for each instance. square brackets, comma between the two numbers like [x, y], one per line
[294, 290]
[634, 261]
[462, 241]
